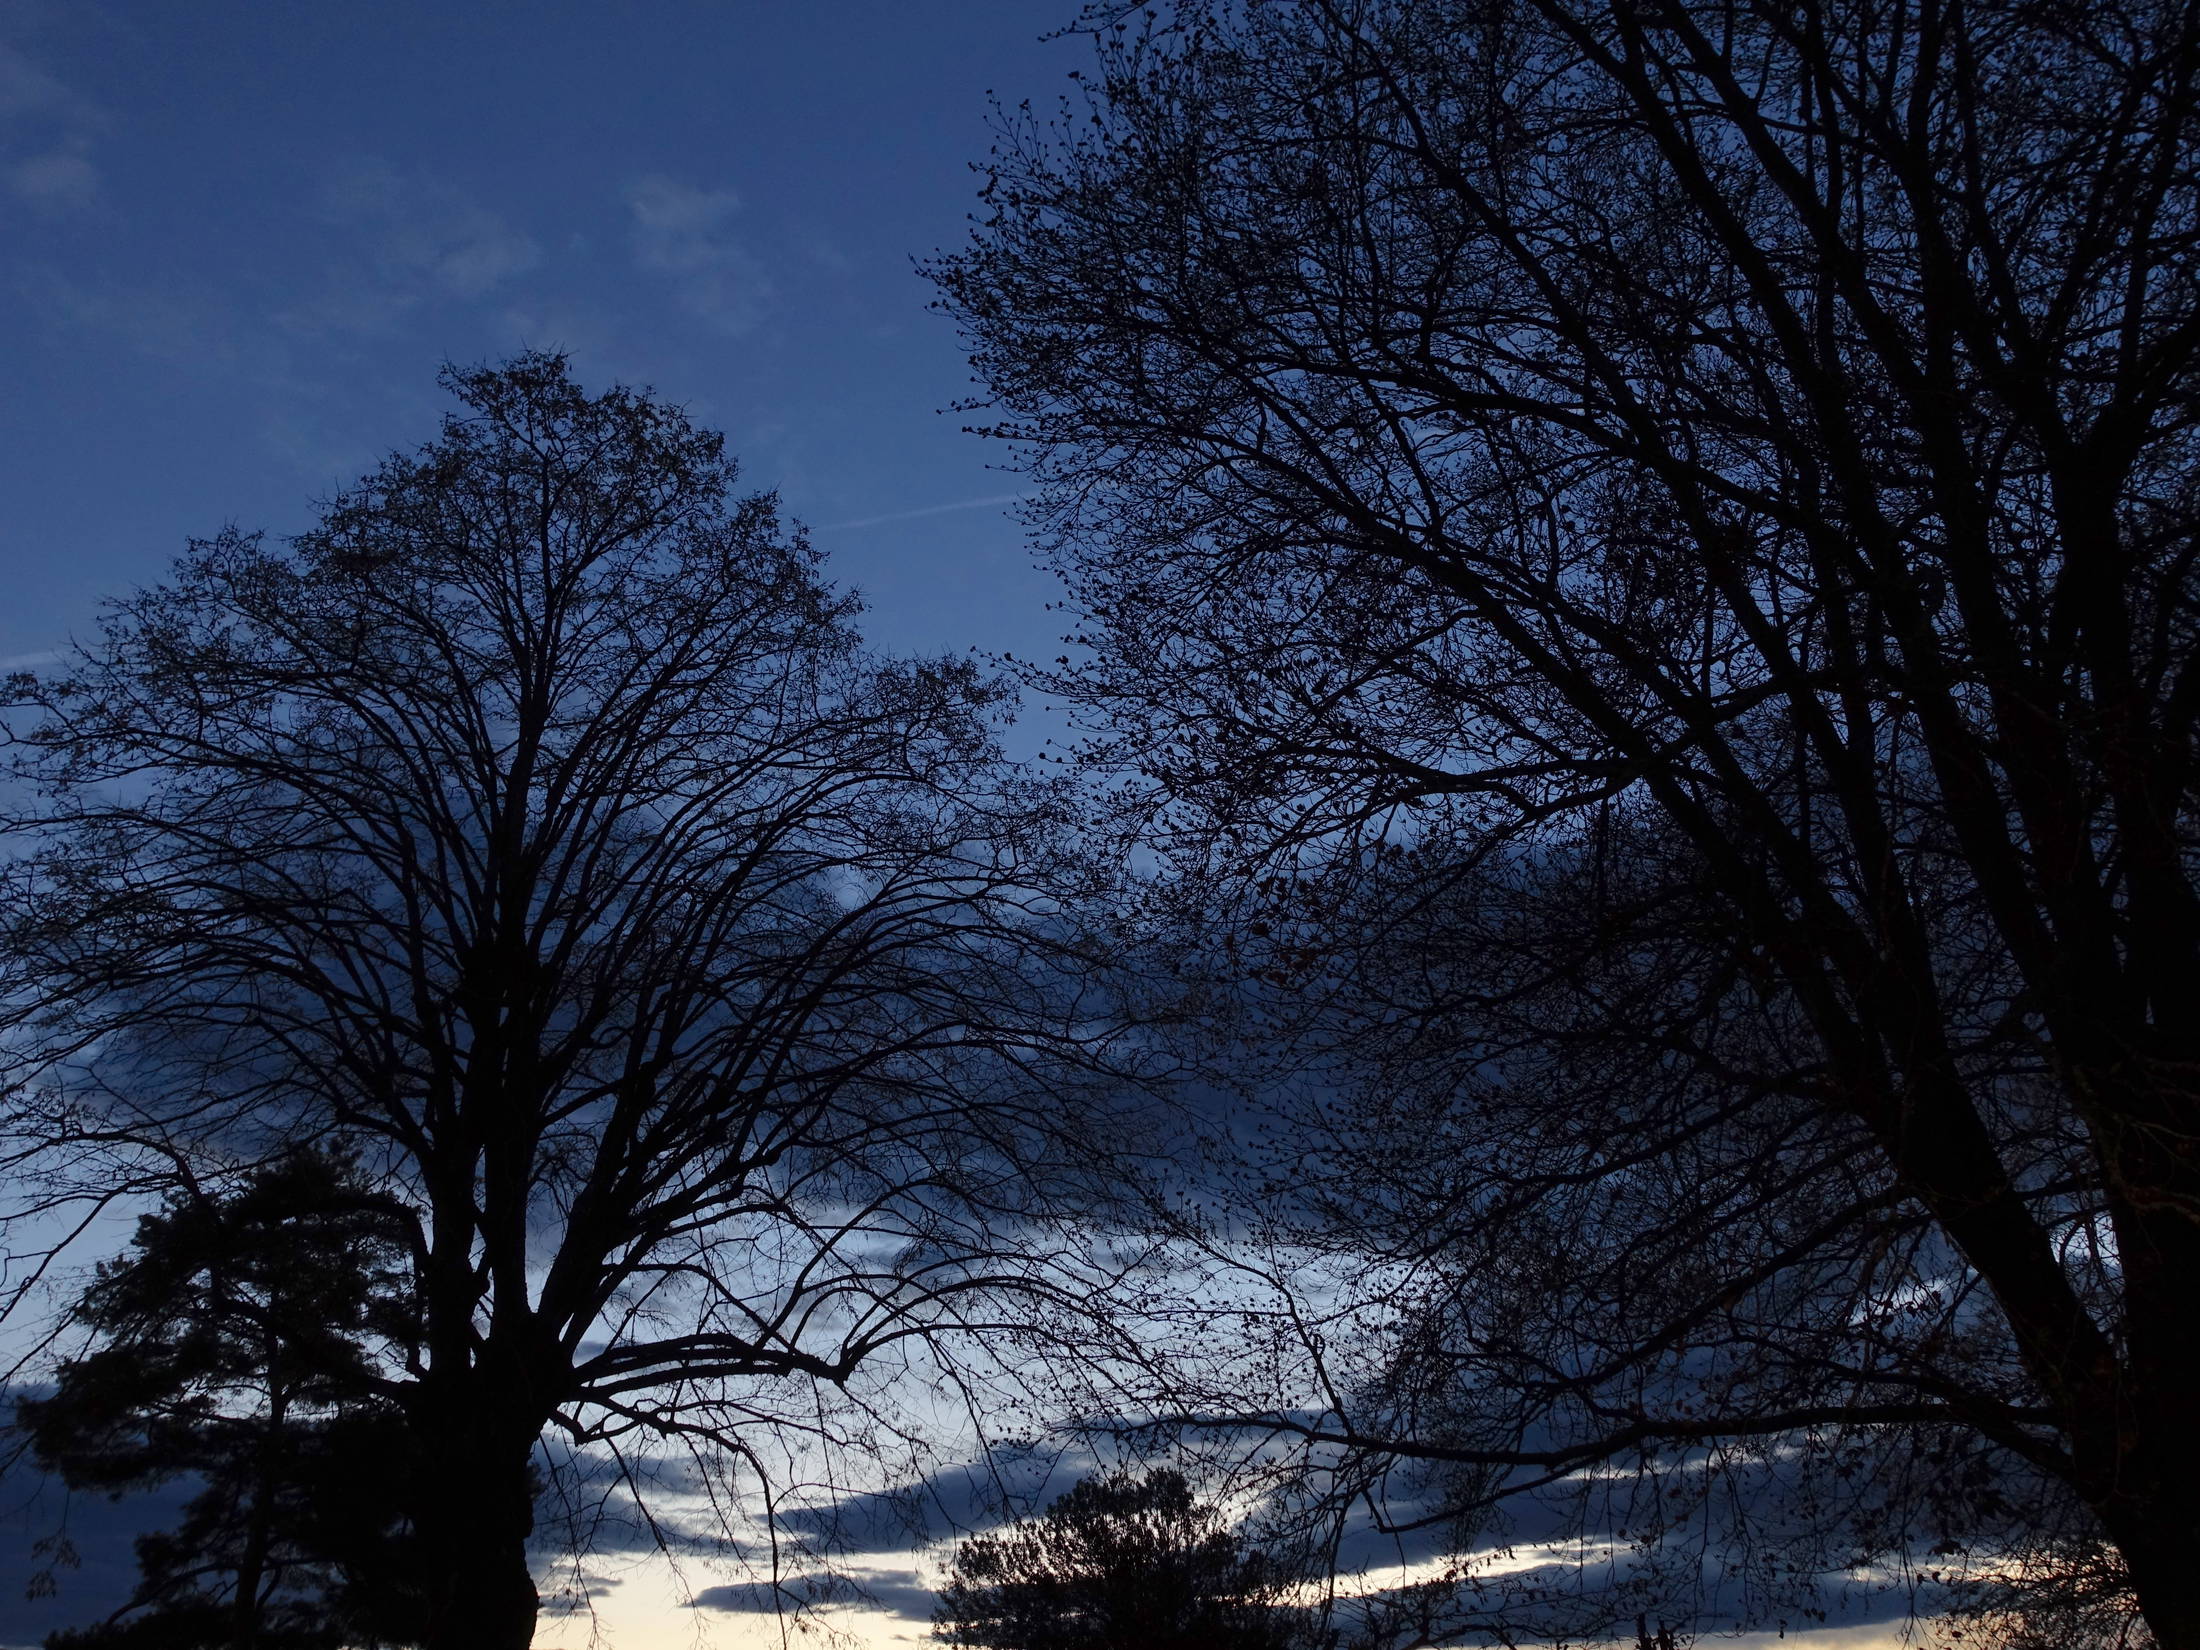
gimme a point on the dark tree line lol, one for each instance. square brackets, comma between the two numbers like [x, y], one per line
[1641, 552]
[692, 982]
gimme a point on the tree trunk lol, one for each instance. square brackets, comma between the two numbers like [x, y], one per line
[2151, 1511]
[2147, 1489]
[475, 1512]
[2158, 1552]
[258, 1530]
[259, 1525]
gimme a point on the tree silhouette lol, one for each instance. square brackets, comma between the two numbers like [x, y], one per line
[1122, 1562]
[238, 1344]
[1643, 552]
[538, 824]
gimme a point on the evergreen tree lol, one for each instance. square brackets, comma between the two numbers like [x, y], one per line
[1125, 1562]
[237, 1343]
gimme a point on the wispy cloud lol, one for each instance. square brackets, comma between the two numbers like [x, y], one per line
[62, 177]
[46, 133]
[27, 89]
[680, 235]
[412, 239]
[928, 510]
[173, 322]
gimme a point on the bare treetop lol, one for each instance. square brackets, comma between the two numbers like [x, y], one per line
[538, 824]
[1646, 550]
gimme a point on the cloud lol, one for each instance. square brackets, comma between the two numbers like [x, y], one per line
[26, 89]
[679, 235]
[898, 1592]
[175, 323]
[426, 229]
[46, 133]
[416, 239]
[928, 510]
[63, 177]
[97, 1569]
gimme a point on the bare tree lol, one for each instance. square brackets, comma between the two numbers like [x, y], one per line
[1688, 510]
[537, 825]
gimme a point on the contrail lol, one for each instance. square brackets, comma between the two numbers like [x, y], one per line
[928, 510]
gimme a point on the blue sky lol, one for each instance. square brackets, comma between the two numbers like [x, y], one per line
[238, 237]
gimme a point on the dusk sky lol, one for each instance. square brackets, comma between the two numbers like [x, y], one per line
[240, 238]
[237, 240]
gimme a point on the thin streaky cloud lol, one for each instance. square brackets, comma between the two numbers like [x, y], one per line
[928, 510]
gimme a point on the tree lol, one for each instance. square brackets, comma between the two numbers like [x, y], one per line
[537, 825]
[1122, 1561]
[2075, 1595]
[1670, 528]
[236, 1343]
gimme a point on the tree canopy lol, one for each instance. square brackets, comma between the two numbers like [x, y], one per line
[537, 826]
[1640, 559]
[1121, 1562]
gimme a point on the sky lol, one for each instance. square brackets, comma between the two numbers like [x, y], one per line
[238, 238]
